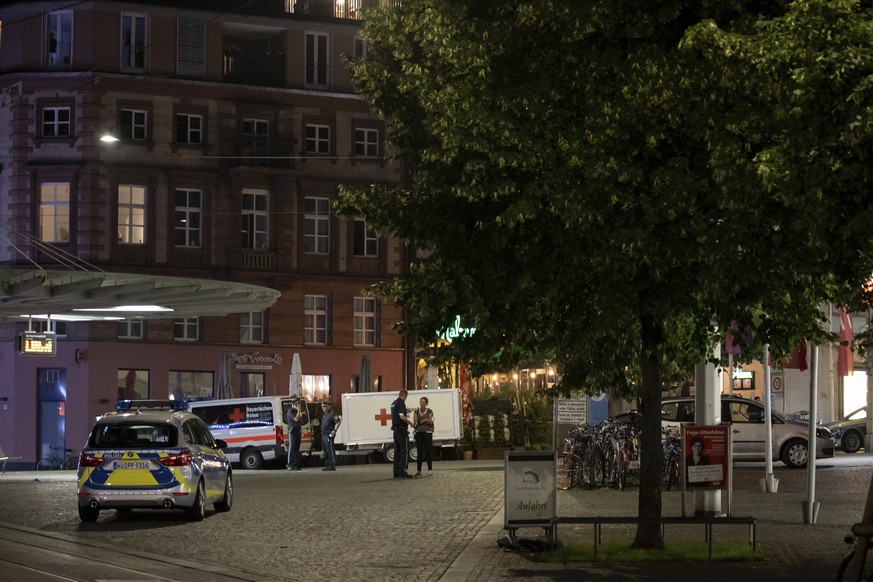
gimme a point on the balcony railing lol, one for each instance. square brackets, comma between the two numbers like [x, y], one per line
[347, 9]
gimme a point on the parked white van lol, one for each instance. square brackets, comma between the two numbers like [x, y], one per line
[253, 428]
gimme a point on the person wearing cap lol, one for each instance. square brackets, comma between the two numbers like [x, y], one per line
[400, 426]
[293, 418]
[330, 423]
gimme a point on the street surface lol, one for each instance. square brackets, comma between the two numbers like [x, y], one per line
[359, 524]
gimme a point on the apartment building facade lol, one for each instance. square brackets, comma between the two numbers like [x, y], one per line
[198, 140]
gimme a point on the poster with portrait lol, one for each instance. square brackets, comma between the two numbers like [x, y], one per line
[707, 456]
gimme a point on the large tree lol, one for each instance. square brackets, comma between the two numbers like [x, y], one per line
[592, 185]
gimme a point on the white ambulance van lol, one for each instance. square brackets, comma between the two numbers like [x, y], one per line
[253, 428]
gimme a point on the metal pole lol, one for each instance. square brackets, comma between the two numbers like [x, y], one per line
[769, 483]
[811, 506]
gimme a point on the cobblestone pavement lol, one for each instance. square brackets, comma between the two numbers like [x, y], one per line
[358, 524]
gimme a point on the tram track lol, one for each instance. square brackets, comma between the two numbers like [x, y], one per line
[28, 555]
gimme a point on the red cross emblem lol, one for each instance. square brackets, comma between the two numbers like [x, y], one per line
[237, 415]
[384, 416]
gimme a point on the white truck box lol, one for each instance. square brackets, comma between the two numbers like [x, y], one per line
[366, 419]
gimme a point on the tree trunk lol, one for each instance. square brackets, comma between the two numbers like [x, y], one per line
[649, 530]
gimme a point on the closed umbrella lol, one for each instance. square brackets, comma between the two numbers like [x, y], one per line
[432, 378]
[296, 385]
[225, 390]
[365, 382]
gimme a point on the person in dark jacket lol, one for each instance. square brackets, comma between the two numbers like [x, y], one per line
[330, 423]
[400, 424]
[294, 418]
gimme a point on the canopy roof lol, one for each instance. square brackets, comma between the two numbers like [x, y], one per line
[97, 295]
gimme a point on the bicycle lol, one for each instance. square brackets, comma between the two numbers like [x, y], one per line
[570, 465]
[855, 566]
[57, 462]
[672, 457]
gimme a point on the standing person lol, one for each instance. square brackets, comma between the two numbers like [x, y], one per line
[294, 418]
[330, 423]
[422, 419]
[400, 426]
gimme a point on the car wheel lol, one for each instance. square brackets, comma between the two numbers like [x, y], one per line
[251, 459]
[88, 514]
[227, 501]
[388, 453]
[795, 453]
[197, 511]
[852, 441]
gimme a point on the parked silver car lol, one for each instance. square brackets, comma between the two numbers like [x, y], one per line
[746, 418]
[148, 454]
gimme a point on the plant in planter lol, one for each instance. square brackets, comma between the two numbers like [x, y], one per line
[499, 427]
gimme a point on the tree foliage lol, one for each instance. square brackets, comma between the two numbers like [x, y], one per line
[612, 182]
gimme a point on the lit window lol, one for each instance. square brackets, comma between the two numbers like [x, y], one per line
[54, 212]
[131, 215]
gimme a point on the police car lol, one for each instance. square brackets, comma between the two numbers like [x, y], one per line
[150, 454]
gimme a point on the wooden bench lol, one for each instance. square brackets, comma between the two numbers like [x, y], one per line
[4, 458]
[705, 521]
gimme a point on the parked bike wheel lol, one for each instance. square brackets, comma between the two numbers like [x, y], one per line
[621, 472]
[45, 465]
[569, 471]
[672, 476]
[844, 565]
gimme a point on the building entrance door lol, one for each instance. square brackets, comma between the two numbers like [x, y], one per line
[52, 411]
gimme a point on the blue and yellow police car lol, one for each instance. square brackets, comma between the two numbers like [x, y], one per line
[153, 454]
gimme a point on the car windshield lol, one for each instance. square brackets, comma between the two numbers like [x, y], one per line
[139, 434]
[860, 413]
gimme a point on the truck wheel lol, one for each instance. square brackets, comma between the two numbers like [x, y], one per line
[413, 452]
[251, 459]
[388, 453]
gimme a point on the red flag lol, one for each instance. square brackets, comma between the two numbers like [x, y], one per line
[730, 344]
[797, 358]
[845, 358]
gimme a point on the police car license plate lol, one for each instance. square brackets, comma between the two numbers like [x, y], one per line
[131, 465]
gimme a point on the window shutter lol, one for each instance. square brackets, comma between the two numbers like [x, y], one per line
[190, 48]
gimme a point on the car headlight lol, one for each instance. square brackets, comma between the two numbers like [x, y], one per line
[823, 433]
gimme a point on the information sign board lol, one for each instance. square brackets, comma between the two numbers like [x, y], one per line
[572, 411]
[530, 493]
